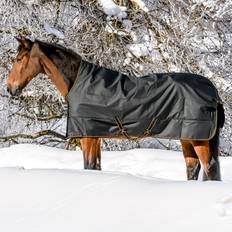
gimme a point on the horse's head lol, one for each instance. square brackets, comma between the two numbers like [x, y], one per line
[25, 67]
[57, 62]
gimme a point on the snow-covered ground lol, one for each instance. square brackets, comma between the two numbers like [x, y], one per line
[45, 189]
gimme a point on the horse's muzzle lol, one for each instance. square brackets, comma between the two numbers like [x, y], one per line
[14, 91]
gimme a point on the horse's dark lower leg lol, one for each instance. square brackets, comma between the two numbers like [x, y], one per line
[91, 148]
[207, 152]
[213, 170]
[214, 165]
[192, 162]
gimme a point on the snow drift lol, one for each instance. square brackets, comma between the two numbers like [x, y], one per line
[138, 190]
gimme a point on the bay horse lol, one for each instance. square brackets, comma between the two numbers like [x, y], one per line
[61, 66]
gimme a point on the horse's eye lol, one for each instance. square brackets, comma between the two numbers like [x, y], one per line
[18, 59]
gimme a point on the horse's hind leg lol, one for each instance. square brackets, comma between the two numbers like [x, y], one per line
[207, 152]
[91, 148]
[192, 162]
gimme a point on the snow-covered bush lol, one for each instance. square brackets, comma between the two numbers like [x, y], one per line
[136, 37]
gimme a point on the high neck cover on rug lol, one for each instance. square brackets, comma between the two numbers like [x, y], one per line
[106, 103]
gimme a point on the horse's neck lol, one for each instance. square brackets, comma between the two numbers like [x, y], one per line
[62, 72]
[68, 68]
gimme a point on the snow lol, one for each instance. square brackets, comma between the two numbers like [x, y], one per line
[31, 2]
[53, 31]
[206, 3]
[141, 5]
[112, 9]
[46, 189]
[143, 49]
[147, 46]
[127, 25]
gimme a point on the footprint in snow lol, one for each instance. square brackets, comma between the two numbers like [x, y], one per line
[224, 207]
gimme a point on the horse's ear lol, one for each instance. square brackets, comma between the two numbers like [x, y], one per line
[24, 42]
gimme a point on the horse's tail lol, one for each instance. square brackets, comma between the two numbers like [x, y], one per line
[221, 116]
[220, 123]
[214, 165]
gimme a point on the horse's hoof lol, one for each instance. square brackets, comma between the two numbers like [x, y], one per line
[92, 166]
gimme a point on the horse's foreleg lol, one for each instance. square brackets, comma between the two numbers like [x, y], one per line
[209, 159]
[91, 148]
[192, 162]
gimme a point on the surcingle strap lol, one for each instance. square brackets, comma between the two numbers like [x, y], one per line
[122, 129]
[150, 127]
[146, 133]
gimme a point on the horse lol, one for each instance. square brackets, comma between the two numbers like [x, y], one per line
[61, 65]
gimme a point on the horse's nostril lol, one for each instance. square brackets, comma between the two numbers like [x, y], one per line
[18, 91]
[8, 90]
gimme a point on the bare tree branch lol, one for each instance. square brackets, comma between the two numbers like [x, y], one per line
[34, 136]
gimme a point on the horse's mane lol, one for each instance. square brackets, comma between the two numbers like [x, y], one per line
[51, 49]
[66, 60]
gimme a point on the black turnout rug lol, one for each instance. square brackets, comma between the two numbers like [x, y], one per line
[106, 103]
